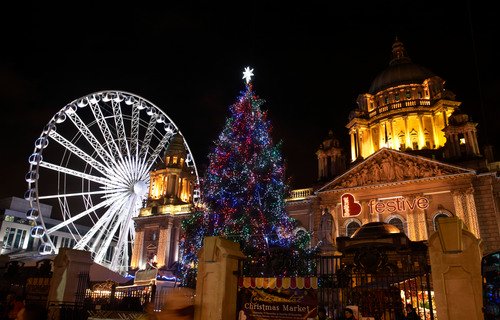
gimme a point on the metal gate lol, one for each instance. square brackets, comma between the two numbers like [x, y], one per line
[376, 283]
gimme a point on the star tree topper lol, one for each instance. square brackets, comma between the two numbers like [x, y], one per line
[247, 74]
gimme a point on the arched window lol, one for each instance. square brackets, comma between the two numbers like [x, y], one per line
[397, 222]
[439, 214]
[351, 227]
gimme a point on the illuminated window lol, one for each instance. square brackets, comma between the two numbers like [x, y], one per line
[351, 227]
[54, 240]
[440, 214]
[397, 222]
[174, 161]
[462, 140]
[109, 254]
[67, 243]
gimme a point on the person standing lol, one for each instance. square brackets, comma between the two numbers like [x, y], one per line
[411, 313]
[14, 307]
[349, 314]
[322, 314]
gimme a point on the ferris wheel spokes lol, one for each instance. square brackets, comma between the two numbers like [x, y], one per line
[120, 127]
[104, 128]
[68, 145]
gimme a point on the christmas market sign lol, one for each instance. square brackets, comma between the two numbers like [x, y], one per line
[351, 207]
[277, 298]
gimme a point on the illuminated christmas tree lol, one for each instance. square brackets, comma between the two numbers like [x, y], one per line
[244, 188]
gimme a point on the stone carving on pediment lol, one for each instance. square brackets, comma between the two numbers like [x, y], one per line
[392, 167]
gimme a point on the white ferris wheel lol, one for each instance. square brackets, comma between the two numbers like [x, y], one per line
[93, 159]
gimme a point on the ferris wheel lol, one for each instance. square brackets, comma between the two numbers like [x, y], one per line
[92, 160]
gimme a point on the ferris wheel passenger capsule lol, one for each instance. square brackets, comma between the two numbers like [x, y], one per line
[30, 194]
[161, 119]
[82, 103]
[118, 97]
[60, 117]
[129, 100]
[31, 176]
[37, 232]
[35, 158]
[49, 127]
[70, 108]
[107, 97]
[95, 98]
[141, 105]
[45, 248]
[168, 128]
[41, 143]
[32, 214]
[150, 111]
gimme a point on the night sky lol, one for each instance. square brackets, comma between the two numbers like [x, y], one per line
[310, 61]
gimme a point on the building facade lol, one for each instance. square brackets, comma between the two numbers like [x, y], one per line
[16, 227]
[170, 200]
[414, 158]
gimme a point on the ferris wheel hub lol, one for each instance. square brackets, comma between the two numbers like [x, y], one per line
[140, 188]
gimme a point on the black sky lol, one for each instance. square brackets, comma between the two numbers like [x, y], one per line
[311, 60]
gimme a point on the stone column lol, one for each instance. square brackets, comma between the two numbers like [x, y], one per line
[137, 250]
[68, 265]
[471, 212]
[359, 152]
[216, 284]
[407, 134]
[455, 256]
[175, 255]
[381, 141]
[434, 133]
[370, 137]
[393, 136]
[410, 225]
[421, 138]
[353, 146]
[321, 166]
[457, 202]
[164, 245]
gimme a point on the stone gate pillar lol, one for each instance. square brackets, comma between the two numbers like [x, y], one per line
[216, 285]
[455, 256]
[68, 264]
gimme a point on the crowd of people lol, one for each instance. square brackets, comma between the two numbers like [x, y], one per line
[14, 307]
[348, 314]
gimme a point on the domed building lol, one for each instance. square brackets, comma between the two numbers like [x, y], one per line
[406, 108]
[414, 158]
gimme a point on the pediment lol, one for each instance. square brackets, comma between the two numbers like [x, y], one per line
[391, 166]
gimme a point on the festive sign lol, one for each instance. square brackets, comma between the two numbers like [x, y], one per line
[350, 207]
[277, 298]
[398, 204]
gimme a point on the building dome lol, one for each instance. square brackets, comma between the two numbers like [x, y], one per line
[401, 71]
[373, 230]
[176, 145]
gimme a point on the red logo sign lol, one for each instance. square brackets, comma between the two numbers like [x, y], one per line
[350, 207]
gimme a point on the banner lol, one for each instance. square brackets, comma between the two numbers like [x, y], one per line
[277, 298]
